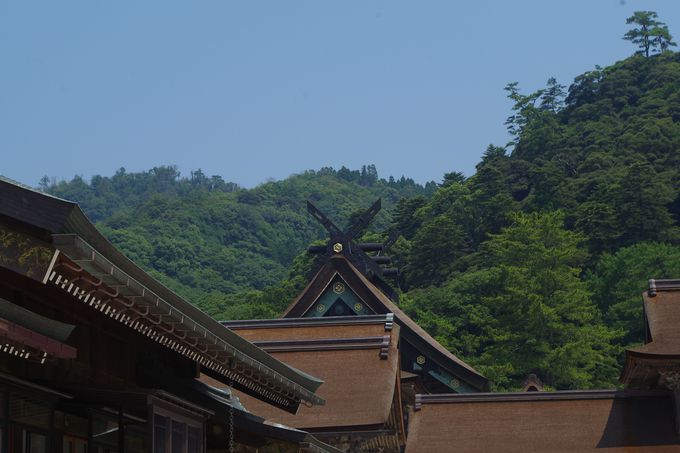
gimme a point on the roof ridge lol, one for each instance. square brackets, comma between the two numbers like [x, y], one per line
[309, 322]
[452, 398]
[394, 308]
[662, 284]
[339, 264]
[21, 185]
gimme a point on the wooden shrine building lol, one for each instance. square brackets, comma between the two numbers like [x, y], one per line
[351, 281]
[359, 362]
[97, 356]
[345, 328]
[390, 387]
[642, 417]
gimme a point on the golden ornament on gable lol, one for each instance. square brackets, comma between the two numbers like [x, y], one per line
[338, 288]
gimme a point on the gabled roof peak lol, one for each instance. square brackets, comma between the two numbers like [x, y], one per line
[380, 303]
[368, 258]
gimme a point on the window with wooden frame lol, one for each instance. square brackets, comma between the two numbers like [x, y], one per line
[175, 432]
[29, 424]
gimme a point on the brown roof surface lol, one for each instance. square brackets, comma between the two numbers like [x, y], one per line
[662, 312]
[358, 384]
[311, 332]
[545, 422]
[377, 301]
[645, 364]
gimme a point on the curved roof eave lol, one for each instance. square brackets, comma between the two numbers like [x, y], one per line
[57, 216]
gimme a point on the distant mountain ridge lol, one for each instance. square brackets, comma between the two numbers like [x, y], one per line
[202, 233]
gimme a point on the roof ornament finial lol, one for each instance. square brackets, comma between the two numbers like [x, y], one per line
[343, 242]
[532, 383]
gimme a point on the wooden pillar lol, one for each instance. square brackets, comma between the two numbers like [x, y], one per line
[670, 378]
[121, 431]
[676, 405]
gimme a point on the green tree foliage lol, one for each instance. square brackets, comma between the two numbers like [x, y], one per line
[434, 251]
[651, 35]
[608, 156]
[218, 244]
[605, 153]
[619, 279]
[642, 198]
[525, 309]
[534, 263]
[440, 235]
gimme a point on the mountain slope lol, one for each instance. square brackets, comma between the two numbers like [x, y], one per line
[201, 235]
[536, 263]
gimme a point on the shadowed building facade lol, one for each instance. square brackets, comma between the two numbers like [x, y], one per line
[97, 356]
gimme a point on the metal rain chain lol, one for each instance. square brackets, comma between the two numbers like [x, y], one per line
[232, 446]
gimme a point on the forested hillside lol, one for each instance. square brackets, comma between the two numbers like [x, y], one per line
[214, 242]
[535, 263]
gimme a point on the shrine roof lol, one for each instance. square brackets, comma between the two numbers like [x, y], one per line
[645, 365]
[379, 302]
[87, 266]
[358, 361]
[618, 421]
[662, 315]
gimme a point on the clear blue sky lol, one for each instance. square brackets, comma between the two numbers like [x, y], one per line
[252, 90]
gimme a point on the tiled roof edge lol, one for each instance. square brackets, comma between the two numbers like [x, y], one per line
[662, 285]
[533, 396]
[387, 319]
